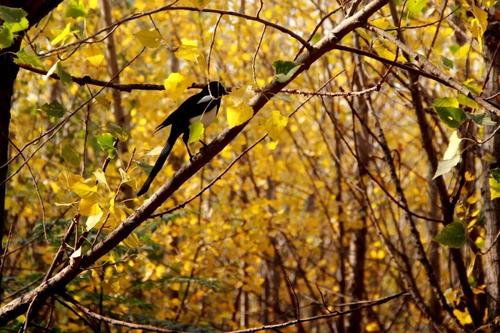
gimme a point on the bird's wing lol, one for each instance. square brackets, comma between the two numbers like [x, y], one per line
[180, 112]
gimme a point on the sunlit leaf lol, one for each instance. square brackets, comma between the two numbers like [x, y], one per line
[124, 176]
[452, 235]
[416, 7]
[106, 141]
[275, 124]
[94, 219]
[494, 183]
[196, 131]
[63, 35]
[188, 50]
[83, 189]
[238, 115]
[100, 176]
[239, 96]
[155, 151]
[175, 85]
[14, 27]
[51, 71]
[464, 100]
[463, 316]
[96, 60]
[451, 156]
[27, 57]
[149, 38]
[77, 253]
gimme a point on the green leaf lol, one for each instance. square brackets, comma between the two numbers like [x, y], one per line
[76, 9]
[452, 235]
[316, 38]
[494, 182]
[447, 62]
[106, 142]
[6, 37]
[452, 117]
[17, 26]
[451, 156]
[54, 109]
[481, 119]
[63, 35]
[64, 76]
[464, 100]
[446, 102]
[117, 131]
[416, 6]
[196, 131]
[284, 70]
[494, 186]
[12, 15]
[495, 173]
[27, 57]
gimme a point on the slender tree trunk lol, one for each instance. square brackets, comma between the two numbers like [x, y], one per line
[7, 79]
[121, 117]
[358, 243]
[491, 160]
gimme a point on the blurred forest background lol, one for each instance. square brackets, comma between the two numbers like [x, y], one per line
[350, 182]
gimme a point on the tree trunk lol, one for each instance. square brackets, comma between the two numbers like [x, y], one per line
[491, 160]
[36, 11]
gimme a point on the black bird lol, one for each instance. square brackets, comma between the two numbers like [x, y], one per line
[202, 107]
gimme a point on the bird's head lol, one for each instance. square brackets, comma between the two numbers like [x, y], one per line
[216, 89]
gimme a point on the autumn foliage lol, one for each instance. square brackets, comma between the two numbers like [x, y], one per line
[351, 182]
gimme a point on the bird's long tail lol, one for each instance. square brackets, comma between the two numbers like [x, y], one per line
[159, 162]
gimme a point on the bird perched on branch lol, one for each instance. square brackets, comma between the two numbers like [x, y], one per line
[201, 107]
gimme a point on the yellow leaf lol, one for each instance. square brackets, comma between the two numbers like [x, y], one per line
[463, 316]
[494, 188]
[382, 23]
[63, 35]
[196, 131]
[469, 176]
[96, 60]
[89, 207]
[92, 220]
[149, 38]
[123, 174]
[239, 115]
[132, 241]
[188, 50]
[175, 85]
[240, 95]
[101, 177]
[83, 189]
[275, 124]
[371, 327]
